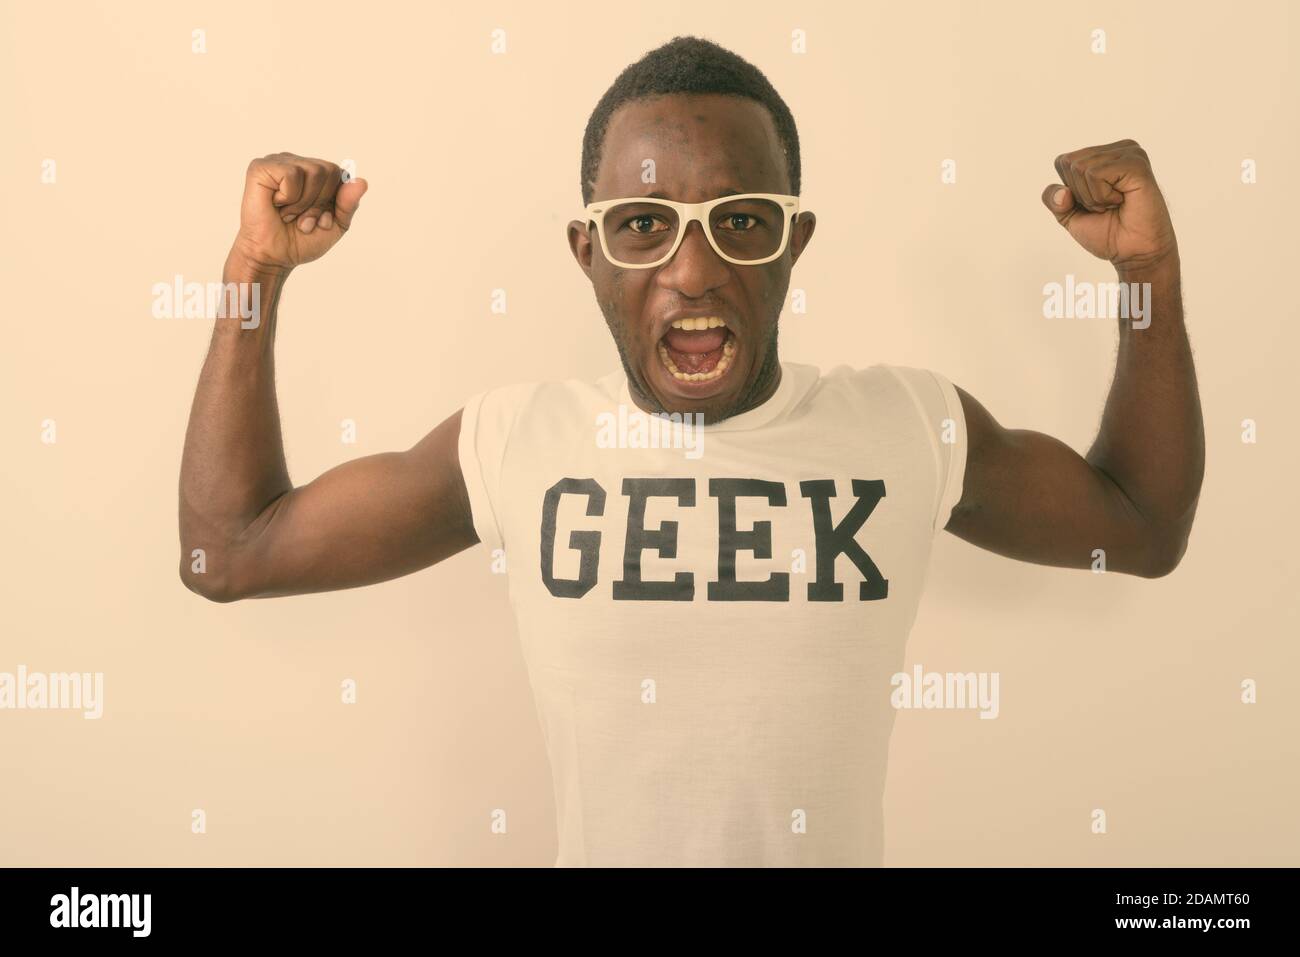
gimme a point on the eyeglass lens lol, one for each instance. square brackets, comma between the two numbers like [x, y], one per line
[643, 231]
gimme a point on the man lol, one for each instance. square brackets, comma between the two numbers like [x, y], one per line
[710, 608]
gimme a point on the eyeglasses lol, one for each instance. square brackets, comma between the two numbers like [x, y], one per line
[747, 229]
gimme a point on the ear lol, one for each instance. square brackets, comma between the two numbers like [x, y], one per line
[801, 231]
[580, 243]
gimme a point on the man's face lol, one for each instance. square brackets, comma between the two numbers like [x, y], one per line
[703, 147]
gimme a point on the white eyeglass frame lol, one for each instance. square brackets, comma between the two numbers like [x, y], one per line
[688, 213]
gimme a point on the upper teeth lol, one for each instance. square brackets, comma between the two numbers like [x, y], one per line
[693, 325]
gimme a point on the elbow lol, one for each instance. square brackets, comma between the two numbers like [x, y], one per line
[1169, 542]
[206, 583]
[1165, 554]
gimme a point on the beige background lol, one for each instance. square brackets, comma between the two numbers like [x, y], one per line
[1117, 693]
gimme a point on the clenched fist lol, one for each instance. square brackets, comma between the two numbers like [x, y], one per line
[1109, 201]
[294, 209]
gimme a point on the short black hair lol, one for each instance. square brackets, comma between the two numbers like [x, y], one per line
[688, 65]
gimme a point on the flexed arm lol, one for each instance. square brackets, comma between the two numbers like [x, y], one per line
[1134, 495]
[367, 520]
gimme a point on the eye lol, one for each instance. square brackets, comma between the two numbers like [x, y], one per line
[738, 222]
[645, 223]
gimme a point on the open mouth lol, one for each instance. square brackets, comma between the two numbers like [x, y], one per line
[697, 349]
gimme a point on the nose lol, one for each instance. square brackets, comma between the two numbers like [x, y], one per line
[695, 268]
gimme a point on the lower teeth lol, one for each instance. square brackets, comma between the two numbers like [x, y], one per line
[728, 350]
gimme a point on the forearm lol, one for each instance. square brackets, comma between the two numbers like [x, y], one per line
[233, 464]
[1152, 443]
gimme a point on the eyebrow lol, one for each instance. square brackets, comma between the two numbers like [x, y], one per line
[726, 192]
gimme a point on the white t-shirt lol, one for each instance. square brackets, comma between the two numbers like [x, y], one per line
[710, 625]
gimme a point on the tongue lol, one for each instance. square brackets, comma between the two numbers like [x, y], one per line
[705, 340]
[695, 351]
